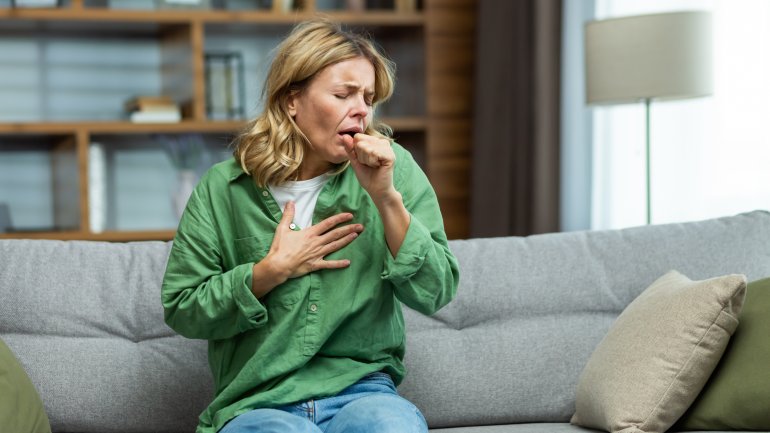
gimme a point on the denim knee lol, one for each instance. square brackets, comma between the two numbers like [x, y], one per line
[379, 413]
[269, 421]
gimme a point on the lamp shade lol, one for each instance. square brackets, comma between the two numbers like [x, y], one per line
[659, 56]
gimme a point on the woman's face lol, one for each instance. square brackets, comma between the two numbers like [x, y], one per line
[336, 102]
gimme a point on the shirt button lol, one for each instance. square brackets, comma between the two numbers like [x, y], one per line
[292, 226]
[313, 308]
[264, 193]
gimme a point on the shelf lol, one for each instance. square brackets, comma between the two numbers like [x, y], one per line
[379, 18]
[71, 139]
[116, 127]
[112, 236]
[399, 124]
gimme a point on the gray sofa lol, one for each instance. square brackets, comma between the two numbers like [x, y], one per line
[85, 320]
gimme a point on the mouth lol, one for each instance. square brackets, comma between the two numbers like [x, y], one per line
[352, 131]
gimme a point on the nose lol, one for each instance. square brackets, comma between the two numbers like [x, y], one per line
[359, 108]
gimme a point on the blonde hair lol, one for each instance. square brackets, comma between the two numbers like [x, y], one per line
[271, 148]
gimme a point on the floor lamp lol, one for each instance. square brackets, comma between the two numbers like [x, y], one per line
[648, 57]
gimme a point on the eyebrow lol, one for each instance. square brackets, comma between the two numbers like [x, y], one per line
[353, 86]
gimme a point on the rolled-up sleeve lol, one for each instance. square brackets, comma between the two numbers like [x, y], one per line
[201, 299]
[424, 273]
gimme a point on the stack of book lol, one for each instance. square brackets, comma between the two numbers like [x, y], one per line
[153, 109]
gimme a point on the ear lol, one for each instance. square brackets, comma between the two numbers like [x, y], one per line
[291, 103]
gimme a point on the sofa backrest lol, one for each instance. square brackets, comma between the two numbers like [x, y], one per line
[85, 320]
[530, 311]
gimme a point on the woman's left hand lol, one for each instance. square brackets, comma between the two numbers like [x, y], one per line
[373, 161]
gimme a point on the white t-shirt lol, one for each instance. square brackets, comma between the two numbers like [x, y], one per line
[304, 193]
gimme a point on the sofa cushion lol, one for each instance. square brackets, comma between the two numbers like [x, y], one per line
[518, 428]
[738, 393]
[659, 353]
[86, 321]
[529, 428]
[21, 410]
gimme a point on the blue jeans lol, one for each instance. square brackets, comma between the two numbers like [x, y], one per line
[371, 405]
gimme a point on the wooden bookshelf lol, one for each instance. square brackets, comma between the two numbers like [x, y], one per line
[440, 137]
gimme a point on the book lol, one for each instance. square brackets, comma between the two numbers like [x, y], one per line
[35, 3]
[97, 188]
[155, 108]
[145, 103]
[155, 116]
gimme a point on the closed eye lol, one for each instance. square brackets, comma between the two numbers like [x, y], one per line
[368, 98]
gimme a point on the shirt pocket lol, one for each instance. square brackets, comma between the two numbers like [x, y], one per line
[253, 249]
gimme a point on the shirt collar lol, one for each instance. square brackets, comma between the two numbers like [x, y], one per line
[234, 171]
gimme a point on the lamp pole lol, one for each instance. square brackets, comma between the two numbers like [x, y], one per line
[647, 157]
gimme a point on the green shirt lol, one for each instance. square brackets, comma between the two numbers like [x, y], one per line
[311, 336]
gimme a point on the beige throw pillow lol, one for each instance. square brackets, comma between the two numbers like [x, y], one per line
[658, 354]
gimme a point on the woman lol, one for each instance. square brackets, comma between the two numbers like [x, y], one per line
[301, 308]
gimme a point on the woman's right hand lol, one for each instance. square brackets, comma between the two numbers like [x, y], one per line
[294, 253]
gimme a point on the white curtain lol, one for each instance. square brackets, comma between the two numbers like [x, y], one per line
[710, 156]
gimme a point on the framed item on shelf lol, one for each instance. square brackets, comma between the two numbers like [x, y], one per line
[35, 3]
[249, 5]
[184, 4]
[5, 218]
[132, 4]
[283, 6]
[374, 5]
[355, 5]
[224, 86]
